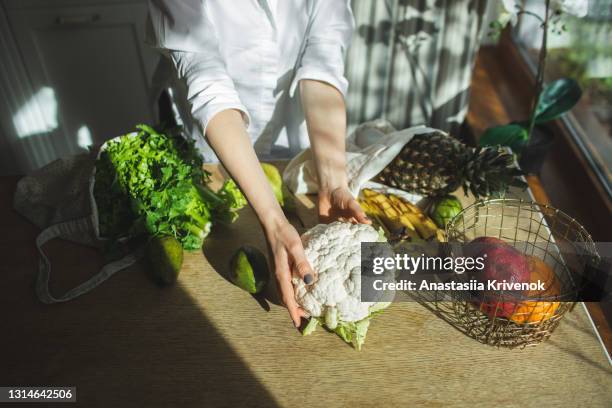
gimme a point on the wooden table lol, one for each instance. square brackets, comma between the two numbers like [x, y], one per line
[204, 342]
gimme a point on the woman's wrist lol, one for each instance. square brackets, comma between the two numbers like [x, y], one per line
[328, 188]
[272, 219]
[332, 178]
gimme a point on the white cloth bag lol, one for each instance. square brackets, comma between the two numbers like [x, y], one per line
[370, 148]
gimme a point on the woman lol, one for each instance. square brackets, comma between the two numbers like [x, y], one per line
[265, 77]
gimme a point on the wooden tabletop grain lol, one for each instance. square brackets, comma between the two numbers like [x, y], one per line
[206, 343]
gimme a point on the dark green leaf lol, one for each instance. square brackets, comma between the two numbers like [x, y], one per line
[513, 135]
[557, 98]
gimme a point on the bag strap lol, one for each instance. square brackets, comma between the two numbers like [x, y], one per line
[44, 272]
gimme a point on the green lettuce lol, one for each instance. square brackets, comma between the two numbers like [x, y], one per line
[153, 183]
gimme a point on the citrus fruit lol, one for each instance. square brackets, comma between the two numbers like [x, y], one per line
[444, 209]
[532, 311]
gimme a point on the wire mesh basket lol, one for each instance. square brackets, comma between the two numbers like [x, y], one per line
[558, 246]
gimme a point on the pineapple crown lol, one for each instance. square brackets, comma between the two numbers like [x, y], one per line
[489, 172]
[435, 164]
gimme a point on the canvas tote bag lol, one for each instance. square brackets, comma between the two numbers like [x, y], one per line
[58, 198]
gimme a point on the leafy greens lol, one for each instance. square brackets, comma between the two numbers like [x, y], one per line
[152, 183]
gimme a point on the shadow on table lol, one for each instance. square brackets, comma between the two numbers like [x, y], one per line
[126, 344]
[475, 326]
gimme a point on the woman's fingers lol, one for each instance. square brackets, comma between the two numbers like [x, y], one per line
[358, 212]
[340, 205]
[348, 204]
[301, 266]
[289, 261]
[283, 280]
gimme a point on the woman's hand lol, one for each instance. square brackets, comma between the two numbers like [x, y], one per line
[228, 137]
[339, 204]
[325, 114]
[289, 261]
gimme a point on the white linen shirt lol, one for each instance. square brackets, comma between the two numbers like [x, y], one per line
[250, 55]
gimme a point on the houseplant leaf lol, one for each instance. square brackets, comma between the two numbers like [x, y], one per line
[557, 98]
[513, 135]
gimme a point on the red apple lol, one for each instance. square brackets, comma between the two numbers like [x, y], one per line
[501, 262]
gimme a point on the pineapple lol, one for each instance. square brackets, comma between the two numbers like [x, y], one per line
[435, 164]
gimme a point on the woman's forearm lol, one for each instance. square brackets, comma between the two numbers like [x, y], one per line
[325, 114]
[227, 135]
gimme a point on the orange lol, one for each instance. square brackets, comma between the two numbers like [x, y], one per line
[538, 311]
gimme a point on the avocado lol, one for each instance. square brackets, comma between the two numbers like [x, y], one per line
[165, 255]
[249, 269]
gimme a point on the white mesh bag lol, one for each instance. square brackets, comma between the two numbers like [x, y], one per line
[58, 198]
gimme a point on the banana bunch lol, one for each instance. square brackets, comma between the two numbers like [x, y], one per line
[398, 217]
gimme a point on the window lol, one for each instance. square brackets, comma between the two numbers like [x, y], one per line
[582, 51]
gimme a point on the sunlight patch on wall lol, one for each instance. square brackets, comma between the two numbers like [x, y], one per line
[38, 115]
[84, 139]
